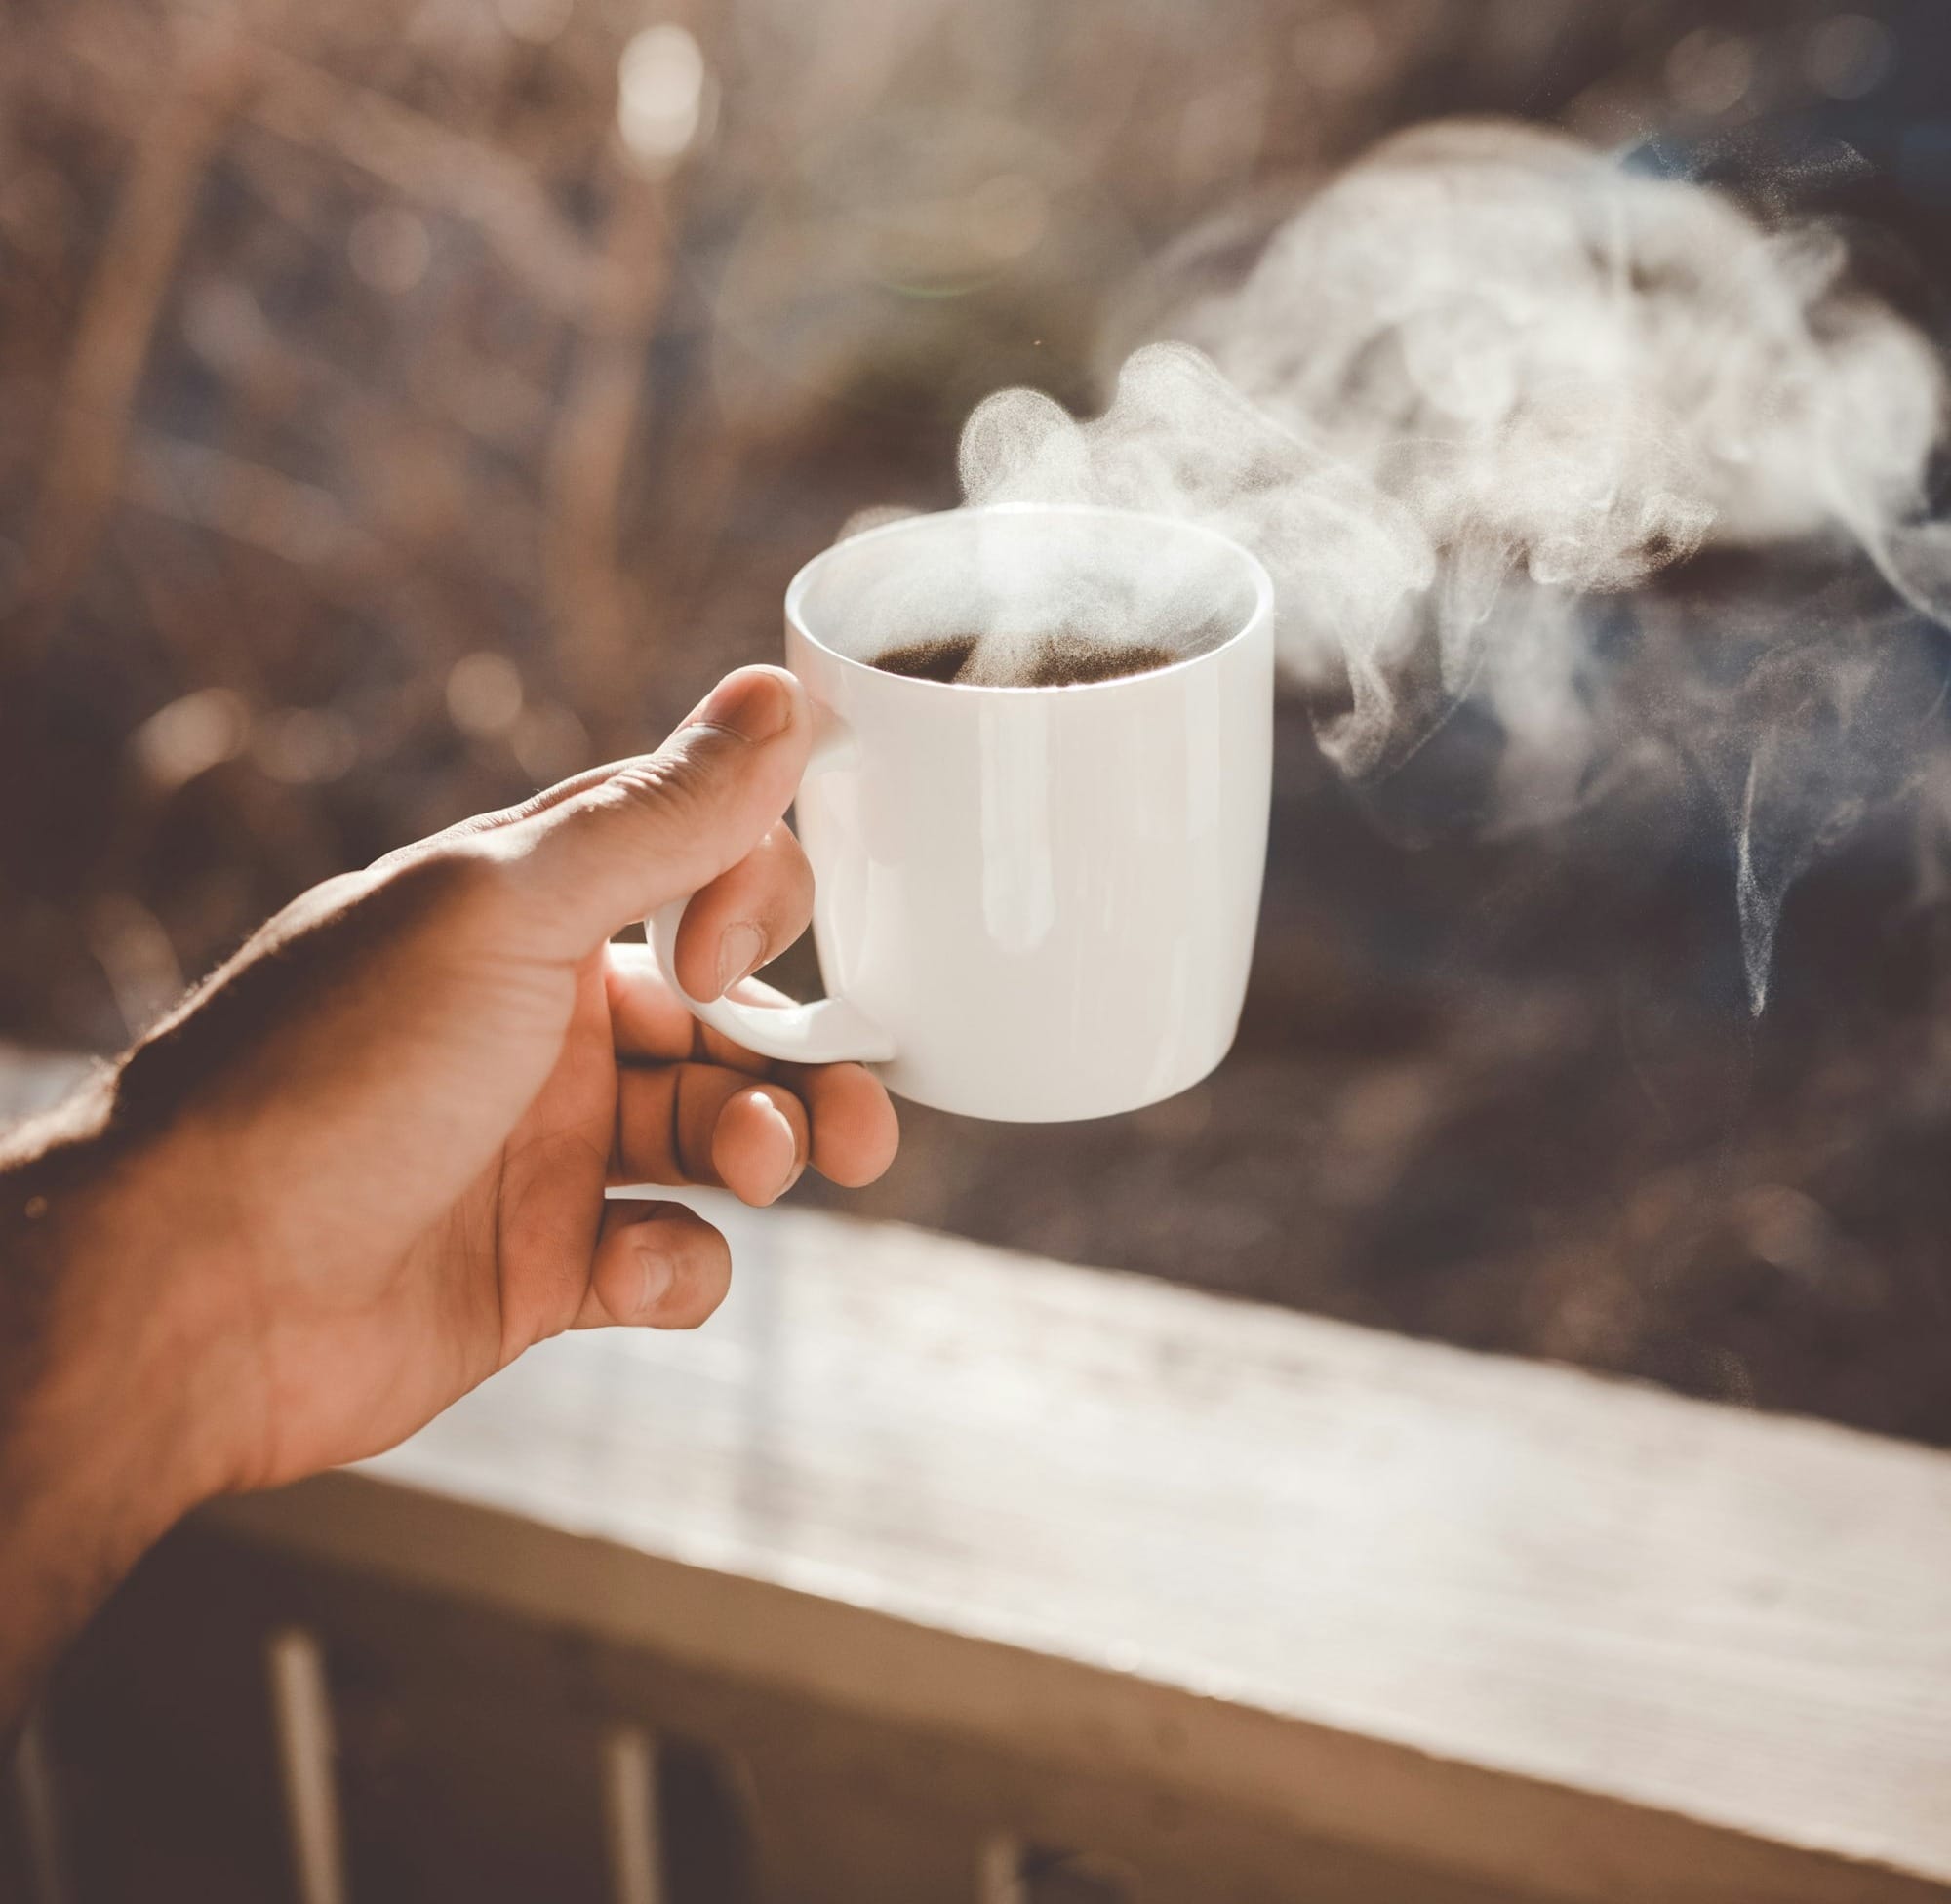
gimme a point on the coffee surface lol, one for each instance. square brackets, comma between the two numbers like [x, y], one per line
[1060, 661]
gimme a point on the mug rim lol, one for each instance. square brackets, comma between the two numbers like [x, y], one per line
[1255, 569]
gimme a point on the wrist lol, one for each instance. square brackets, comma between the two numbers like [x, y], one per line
[97, 1451]
[97, 1352]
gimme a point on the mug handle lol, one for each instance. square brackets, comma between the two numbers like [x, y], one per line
[827, 1031]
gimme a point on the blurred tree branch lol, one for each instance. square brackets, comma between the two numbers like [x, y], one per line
[419, 159]
[590, 603]
[131, 279]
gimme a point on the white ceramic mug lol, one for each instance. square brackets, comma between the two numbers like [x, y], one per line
[1030, 903]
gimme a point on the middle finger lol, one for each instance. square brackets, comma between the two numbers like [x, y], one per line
[706, 1124]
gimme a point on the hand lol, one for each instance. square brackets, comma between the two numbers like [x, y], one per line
[362, 1168]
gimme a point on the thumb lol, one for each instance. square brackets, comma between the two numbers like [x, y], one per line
[660, 827]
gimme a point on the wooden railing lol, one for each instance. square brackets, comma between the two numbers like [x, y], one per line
[927, 1571]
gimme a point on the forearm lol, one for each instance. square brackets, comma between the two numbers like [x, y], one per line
[92, 1450]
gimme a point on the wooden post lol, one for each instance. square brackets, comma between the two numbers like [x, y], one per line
[630, 1822]
[999, 1872]
[301, 1714]
[39, 1812]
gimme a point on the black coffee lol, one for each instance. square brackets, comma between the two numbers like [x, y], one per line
[1060, 661]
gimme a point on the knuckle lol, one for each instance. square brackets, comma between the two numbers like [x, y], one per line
[446, 889]
[679, 781]
[456, 878]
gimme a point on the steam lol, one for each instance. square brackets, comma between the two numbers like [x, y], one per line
[1487, 381]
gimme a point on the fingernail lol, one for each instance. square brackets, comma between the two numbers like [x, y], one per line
[657, 1272]
[738, 954]
[789, 1175]
[757, 704]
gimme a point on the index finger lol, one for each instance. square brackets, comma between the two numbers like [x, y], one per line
[650, 1023]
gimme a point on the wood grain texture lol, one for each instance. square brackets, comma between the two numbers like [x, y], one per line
[1576, 1638]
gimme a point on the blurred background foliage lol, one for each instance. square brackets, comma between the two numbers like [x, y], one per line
[404, 403]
